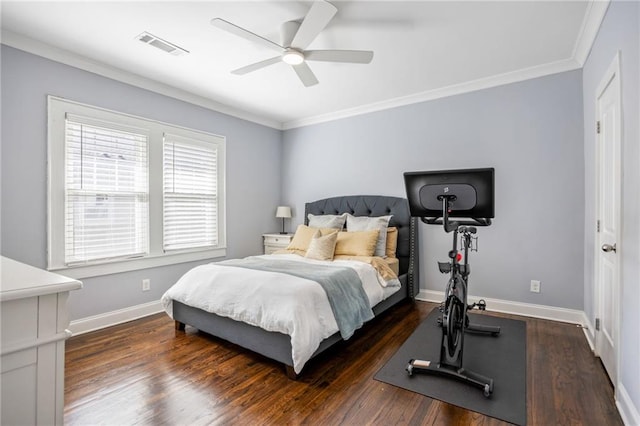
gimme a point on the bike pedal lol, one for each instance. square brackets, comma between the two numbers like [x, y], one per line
[482, 305]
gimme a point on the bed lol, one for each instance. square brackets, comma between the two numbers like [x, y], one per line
[277, 345]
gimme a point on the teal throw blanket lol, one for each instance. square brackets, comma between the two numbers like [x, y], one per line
[348, 300]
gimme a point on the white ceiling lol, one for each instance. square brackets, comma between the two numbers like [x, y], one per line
[422, 49]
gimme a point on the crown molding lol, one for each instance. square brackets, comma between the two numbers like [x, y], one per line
[457, 89]
[66, 57]
[594, 15]
[596, 10]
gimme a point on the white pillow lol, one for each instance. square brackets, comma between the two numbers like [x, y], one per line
[366, 223]
[327, 220]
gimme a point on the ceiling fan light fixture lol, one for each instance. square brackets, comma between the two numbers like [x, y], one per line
[293, 57]
[295, 36]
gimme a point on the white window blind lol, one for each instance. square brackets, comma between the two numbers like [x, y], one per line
[106, 191]
[190, 209]
[110, 177]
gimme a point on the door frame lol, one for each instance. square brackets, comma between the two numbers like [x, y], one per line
[612, 72]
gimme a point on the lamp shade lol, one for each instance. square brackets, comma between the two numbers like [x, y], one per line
[283, 211]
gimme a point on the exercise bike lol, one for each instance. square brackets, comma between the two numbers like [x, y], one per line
[454, 319]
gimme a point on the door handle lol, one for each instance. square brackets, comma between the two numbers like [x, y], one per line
[608, 247]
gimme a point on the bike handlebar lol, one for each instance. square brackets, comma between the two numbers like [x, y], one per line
[452, 226]
[473, 221]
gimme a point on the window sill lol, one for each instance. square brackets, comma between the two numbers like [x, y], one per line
[115, 267]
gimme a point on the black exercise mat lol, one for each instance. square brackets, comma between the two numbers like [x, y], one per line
[502, 358]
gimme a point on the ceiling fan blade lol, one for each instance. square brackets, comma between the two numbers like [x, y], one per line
[318, 17]
[247, 35]
[257, 66]
[351, 56]
[307, 77]
[288, 31]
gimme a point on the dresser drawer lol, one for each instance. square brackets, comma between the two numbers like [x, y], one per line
[19, 320]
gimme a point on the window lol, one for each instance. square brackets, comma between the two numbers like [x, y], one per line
[190, 206]
[127, 193]
[107, 192]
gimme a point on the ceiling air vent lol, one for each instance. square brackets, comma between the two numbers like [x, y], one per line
[161, 44]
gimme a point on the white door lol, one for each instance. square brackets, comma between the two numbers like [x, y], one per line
[609, 174]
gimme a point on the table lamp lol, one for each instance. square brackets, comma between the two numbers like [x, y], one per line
[283, 212]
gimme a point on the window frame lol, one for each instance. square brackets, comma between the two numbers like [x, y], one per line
[57, 109]
[73, 189]
[174, 140]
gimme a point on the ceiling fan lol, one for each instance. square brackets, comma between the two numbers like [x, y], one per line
[295, 37]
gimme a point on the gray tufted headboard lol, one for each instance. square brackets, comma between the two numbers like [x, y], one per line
[377, 205]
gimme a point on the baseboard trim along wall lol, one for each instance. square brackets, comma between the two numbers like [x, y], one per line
[516, 308]
[108, 319]
[627, 410]
[589, 333]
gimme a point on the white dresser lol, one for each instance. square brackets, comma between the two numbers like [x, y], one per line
[273, 242]
[34, 321]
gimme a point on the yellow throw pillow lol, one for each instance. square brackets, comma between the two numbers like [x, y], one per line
[356, 243]
[302, 238]
[392, 241]
[322, 247]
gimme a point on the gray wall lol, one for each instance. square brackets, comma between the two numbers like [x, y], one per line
[531, 132]
[619, 32]
[253, 171]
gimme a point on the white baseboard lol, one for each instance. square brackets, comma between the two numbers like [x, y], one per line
[517, 308]
[96, 322]
[589, 332]
[629, 412]
[108, 319]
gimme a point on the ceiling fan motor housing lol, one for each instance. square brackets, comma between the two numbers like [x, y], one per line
[293, 57]
[295, 37]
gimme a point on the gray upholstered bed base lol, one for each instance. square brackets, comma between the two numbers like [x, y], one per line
[276, 345]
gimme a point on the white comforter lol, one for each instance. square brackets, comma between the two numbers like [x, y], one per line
[273, 301]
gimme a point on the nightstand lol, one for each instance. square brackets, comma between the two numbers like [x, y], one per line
[273, 242]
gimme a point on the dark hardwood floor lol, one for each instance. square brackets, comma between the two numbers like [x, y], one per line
[146, 373]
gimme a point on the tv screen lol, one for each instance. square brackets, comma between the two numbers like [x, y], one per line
[473, 190]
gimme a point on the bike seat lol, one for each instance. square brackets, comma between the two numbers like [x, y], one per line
[445, 267]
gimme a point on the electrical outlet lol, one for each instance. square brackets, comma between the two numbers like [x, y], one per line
[535, 286]
[146, 284]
